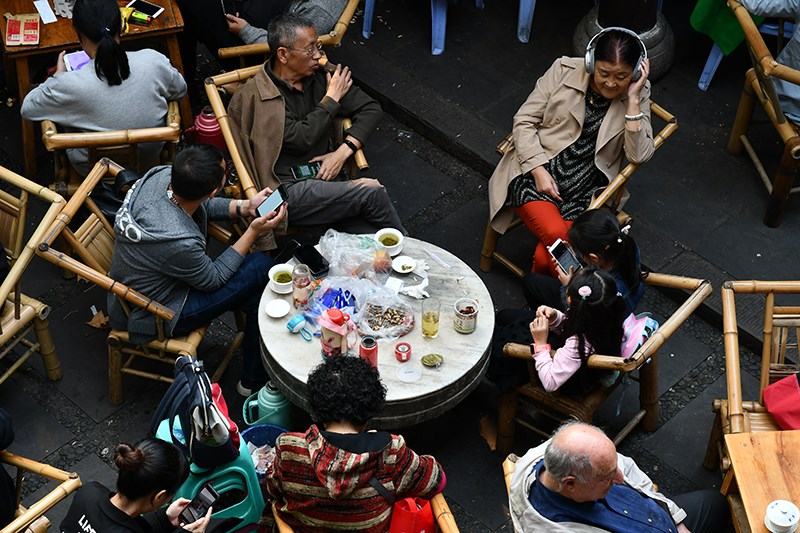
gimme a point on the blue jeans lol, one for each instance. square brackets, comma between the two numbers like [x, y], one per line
[241, 292]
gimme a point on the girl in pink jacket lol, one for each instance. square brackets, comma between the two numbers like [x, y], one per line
[592, 324]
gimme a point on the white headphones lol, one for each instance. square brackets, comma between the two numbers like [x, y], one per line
[590, 48]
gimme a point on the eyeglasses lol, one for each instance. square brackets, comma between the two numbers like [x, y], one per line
[308, 51]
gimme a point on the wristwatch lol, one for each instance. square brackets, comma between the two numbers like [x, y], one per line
[350, 145]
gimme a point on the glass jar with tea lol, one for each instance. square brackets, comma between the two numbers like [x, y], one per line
[301, 285]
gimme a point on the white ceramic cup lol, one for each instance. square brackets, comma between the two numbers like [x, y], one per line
[782, 516]
[394, 249]
[280, 288]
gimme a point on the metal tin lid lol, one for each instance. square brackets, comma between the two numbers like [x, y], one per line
[432, 360]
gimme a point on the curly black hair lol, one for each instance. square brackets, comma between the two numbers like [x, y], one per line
[345, 389]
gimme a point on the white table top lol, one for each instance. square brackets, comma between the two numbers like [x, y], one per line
[289, 358]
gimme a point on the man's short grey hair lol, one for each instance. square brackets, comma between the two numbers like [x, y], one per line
[282, 31]
[562, 463]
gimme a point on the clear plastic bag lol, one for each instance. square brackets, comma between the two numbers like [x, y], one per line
[384, 314]
[355, 255]
[345, 293]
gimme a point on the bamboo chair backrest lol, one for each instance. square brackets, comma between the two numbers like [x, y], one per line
[13, 213]
[69, 482]
[332, 38]
[122, 145]
[612, 194]
[781, 325]
[93, 241]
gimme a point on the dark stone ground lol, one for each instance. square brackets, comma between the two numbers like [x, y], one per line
[697, 212]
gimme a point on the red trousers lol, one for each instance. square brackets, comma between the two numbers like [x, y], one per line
[544, 220]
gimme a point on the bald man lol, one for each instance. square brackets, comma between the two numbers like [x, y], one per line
[577, 482]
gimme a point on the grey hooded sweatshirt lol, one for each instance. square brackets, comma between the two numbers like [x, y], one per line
[161, 252]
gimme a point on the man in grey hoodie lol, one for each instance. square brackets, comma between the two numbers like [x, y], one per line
[161, 252]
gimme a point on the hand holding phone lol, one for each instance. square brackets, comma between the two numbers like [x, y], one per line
[564, 256]
[199, 506]
[273, 202]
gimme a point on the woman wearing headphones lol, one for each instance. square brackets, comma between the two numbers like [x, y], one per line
[569, 138]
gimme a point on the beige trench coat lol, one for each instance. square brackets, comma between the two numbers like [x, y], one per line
[551, 119]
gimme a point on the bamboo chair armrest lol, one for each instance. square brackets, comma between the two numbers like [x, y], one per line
[509, 466]
[701, 290]
[358, 156]
[61, 141]
[503, 146]
[280, 525]
[120, 290]
[69, 483]
[243, 50]
[441, 512]
[174, 116]
[335, 36]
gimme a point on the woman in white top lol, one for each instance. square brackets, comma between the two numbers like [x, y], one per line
[116, 90]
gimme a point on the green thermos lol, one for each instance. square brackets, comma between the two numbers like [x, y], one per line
[267, 406]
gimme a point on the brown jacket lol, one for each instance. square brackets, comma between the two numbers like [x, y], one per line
[551, 119]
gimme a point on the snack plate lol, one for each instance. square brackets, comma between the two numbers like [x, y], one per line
[404, 264]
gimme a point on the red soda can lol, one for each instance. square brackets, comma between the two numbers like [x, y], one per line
[368, 349]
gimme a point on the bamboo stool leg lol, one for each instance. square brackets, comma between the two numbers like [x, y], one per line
[114, 372]
[648, 393]
[47, 349]
[508, 406]
[781, 187]
[744, 114]
[489, 247]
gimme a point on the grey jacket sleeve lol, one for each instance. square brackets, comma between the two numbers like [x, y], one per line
[772, 8]
[252, 35]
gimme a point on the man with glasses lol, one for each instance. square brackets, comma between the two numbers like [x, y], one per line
[577, 482]
[282, 120]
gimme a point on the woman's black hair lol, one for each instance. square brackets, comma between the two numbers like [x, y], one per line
[100, 22]
[617, 46]
[150, 466]
[596, 312]
[597, 231]
[345, 389]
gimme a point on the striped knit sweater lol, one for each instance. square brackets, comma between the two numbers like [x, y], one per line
[317, 486]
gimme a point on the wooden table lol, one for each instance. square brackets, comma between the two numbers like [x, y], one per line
[765, 467]
[60, 35]
[289, 358]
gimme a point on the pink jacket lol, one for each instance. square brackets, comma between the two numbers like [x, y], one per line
[555, 370]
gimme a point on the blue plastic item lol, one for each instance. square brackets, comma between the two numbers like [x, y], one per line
[236, 483]
[262, 434]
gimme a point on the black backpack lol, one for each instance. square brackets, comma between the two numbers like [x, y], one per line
[203, 435]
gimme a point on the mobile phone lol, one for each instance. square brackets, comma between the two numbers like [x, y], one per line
[143, 6]
[76, 60]
[307, 254]
[564, 256]
[272, 202]
[229, 7]
[305, 171]
[198, 507]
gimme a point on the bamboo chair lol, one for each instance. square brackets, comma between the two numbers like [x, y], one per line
[226, 84]
[19, 313]
[332, 38]
[33, 519]
[559, 407]
[122, 145]
[781, 327]
[611, 195]
[93, 243]
[441, 513]
[758, 86]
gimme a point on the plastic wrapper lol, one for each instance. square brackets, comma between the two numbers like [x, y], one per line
[343, 293]
[355, 255]
[384, 314]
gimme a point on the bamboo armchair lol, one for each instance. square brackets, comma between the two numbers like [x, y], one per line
[93, 243]
[559, 407]
[33, 519]
[610, 196]
[19, 313]
[122, 145]
[781, 327]
[332, 38]
[441, 513]
[758, 86]
[226, 84]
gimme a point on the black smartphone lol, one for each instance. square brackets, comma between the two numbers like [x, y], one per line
[272, 202]
[305, 171]
[229, 7]
[199, 506]
[564, 256]
[307, 254]
[142, 6]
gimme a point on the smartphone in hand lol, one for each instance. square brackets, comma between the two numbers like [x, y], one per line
[272, 202]
[563, 255]
[199, 506]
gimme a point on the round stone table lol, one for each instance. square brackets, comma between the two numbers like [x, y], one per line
[289, 359]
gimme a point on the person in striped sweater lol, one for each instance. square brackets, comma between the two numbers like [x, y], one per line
[326, 477]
